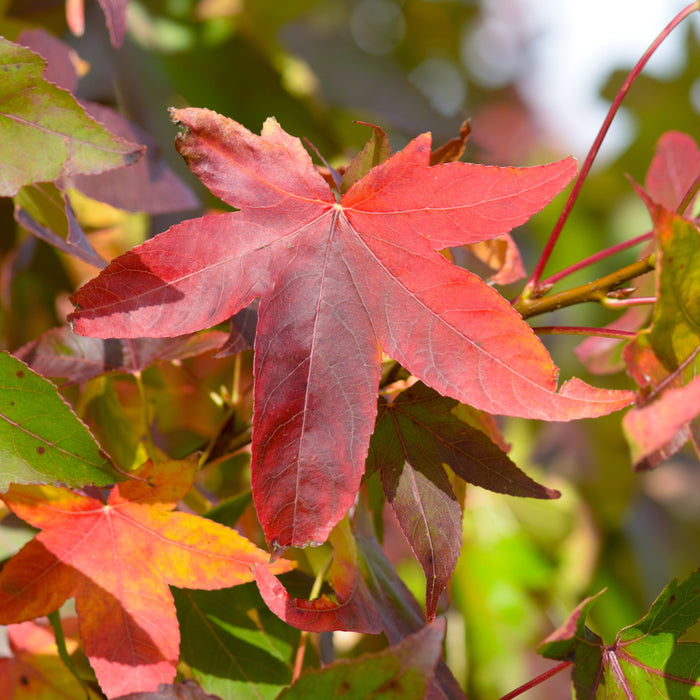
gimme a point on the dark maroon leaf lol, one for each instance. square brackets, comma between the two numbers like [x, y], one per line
[242, 335]
[398, 610]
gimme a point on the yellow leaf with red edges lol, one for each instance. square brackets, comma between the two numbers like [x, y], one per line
[117, 558]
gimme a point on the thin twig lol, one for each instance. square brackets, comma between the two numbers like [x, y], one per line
[584, 330]
[593, 291]
[534, 281]
[689, 196]
[536, 681]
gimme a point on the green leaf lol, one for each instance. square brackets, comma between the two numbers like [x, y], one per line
[646, 660]
[236, 648]
[401, 672]
[675, 331]
[41, 439]
[376, 151]
[228, 512]
[44, 210]
[44, 133]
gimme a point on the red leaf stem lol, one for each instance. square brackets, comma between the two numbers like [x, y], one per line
[536, 681]
[534, 281]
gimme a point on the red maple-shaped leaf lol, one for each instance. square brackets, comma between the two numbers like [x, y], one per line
[117, 559]
[337, 281]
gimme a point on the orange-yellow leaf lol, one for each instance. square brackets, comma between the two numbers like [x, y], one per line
[117, 559]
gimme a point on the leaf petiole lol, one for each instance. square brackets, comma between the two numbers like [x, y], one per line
[689, 196]
[536, 681]
[55, 620]
[150, 446]
[592, 259]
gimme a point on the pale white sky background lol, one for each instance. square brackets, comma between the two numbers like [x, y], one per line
[580, 41]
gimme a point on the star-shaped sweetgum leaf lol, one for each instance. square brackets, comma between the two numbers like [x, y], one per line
[117, 559]
[646, 660]
[337, 281]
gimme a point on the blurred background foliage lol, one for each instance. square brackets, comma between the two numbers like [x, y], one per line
[409, 66]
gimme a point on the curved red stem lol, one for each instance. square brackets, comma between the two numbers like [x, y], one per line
[534, 280]
[536, 681]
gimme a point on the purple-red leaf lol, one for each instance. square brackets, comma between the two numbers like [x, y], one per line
[44, 210]
[60, 353]
[337, 281]
[149, 185]
[115, 13]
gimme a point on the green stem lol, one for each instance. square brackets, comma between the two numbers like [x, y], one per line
[689, 196]
[534, 281]
[236, 382]
[667, 381]
[241, 432]
[150, 446]
[593, 291]
[55, 620]
[318, 581]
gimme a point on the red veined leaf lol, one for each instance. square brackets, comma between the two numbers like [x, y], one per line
[337, 281]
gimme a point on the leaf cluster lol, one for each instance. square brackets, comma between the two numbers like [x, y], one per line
[210, 457]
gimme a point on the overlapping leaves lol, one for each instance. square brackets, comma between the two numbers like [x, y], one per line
[415, 435]
[646, 660]
[673, 336]
[117, 558]
[45, 132]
